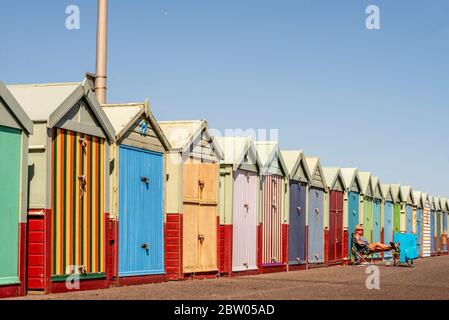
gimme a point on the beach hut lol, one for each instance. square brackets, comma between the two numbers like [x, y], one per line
[406, 195]
[396, 192]
[351, 206]
[238, 206]
[378, 200]
[387, 216]
[438, 225]
[192, 182]
[433, 249]
[275, 202]
[444, 213]
[299, 177]
[334, 241]
[15, 128]
[417, 220]
[68, 186]
[366, 204]
[317, 197]
[137, 199]
[426, 225]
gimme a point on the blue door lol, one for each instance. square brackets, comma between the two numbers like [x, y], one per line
[316, 226]
[141, 216]
[297, 227]
[408, 217]
[419, 230]
[353, 217]
[377, 216]
[388, 226]
[432, 231]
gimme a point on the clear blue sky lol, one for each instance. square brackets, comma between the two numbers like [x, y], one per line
[378, 100]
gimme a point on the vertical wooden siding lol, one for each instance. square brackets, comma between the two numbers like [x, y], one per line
[10, 164]
[426, 231]
[272, 219]
[78, 216]
[244, 252]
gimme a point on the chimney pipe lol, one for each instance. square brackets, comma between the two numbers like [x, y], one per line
[102, 51]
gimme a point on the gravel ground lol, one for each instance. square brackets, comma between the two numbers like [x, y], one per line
[428, 280]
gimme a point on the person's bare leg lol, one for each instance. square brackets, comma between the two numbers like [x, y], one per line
[380, 247]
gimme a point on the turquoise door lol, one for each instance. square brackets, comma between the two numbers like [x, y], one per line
[388, 226]
[353, 217]
[10, 145]
[141, 215]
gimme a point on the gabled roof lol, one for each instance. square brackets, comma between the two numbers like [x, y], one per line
[405, 192]
[443, 204]
[424, 198]
[365, 178]
[15, 108]
[293, 159]
[182, 134]
[417, 199]
[123, 116]
[432, 202]
[396, 191]
[50, 102]
[386, 190]
[351, 175]
[235, 149]
[332, 175]
[267, 152]
[313, 164]
[436, 203]
[375, 182]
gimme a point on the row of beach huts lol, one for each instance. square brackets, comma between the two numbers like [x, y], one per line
[109, 195]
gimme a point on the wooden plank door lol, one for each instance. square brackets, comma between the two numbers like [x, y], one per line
[244, 252]
[388, 225]
[297, 232]
[368, 218]
[10, 163]
[141, 216]
[353, 217]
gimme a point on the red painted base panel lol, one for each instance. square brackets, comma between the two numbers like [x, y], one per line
[345, 248]
[225, 249]
[297, 267]
[133, 281]
[10, 291]
[245, 273]
[201, 275]
[85, 285]
[112, 248]
[173, 246]
[273, 269]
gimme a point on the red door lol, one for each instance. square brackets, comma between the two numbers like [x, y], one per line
[335, 244]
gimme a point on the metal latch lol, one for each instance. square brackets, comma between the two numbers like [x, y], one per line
[83, 184]
[201, 238]
[145, 180]
[298, 209]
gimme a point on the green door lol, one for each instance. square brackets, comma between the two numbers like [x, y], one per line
[397, 218]
[10, 163]
[368, 218]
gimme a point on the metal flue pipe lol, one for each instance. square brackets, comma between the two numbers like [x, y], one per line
[102, 51]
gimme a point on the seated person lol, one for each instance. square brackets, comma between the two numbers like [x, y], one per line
[363, 246]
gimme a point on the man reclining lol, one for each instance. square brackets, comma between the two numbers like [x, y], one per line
[363, 246]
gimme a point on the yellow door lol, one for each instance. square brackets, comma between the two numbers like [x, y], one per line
[190, 238]
[208, 238]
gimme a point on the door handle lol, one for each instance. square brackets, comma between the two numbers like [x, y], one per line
[201, 238]
[298, 209]
[145, 246]
[83, 184]
[145, 180]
